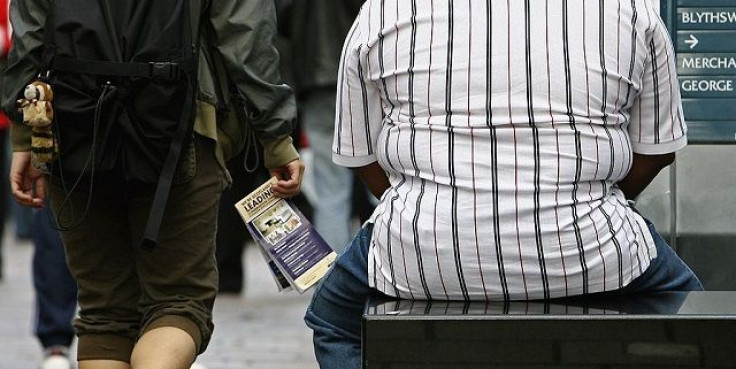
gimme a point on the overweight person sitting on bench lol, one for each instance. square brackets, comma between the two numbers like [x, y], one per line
[505, 140]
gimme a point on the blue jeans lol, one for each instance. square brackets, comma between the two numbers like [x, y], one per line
[56, 290]
[337, 305]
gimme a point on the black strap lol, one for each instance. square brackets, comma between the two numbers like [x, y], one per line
[166, 178]
[169, 71]
[163, 188]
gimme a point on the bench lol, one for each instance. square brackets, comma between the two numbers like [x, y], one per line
[666, 330]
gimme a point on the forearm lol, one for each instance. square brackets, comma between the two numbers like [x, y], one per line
[643, 170]
[374, 177]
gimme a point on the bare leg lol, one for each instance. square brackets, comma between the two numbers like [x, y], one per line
[164, 348]
[103, 364]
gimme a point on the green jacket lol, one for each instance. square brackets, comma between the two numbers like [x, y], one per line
[237, 62]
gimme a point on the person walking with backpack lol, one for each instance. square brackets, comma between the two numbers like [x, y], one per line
[148, 99]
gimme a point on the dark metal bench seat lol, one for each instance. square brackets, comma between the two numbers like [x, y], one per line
[664, 330]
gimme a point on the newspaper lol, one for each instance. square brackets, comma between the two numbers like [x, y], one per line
[297, 255]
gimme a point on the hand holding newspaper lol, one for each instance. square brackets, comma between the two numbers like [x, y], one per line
[297, 255]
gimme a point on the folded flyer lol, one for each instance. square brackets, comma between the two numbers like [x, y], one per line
[298, 256]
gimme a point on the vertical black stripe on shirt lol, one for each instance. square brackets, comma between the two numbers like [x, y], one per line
[402, 171]
[516, 153]
[340, 92]
[578, 148]
[415, 220]
[472, 150]
[381, 57]
[436, 245]
[537, 159]
[670, 79]
[604, 97]
[641, 231]
[655, 81]
[604, 86]
[401, 168]
[627, 144]
[612, 232]
[350, 92]
[412, 114]
[489, 63]
[389, 246]
[617, 104]
[557, 146]
[396, 62]
[494, 158]
[496, 216]
[375, 273]
[351, 115]
[634, 35]
[451, 152]
[429, 78]
[417, 248]
[448, 73]
[593, 130]
[403, 248]
[391, 214]
[632, 61]
[431, 157]
[366, 116]
[455, 223]
[598, 239]
[626, 220]
[618, 247]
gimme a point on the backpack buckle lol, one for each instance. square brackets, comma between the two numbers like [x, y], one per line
[164, 70]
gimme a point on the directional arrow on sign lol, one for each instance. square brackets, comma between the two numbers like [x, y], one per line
[692, 41]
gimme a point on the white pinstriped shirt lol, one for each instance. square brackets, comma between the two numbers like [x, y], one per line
[503, 127]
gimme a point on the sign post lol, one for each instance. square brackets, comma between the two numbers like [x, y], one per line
[704, 33]
[704, 36]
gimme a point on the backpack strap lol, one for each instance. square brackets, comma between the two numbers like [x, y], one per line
[169, 71]
[166, 178]
[163, 188]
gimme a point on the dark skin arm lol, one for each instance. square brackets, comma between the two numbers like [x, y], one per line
[374, 177]
[643, 170]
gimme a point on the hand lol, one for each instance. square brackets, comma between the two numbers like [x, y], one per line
[289, 178]
[27, 184]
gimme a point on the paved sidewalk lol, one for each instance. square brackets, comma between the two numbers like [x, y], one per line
[261, 329]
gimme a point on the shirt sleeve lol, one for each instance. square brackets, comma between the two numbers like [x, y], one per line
[244, 34]
[359, 109]
[25, 57]
[24, 63]
[657, 124]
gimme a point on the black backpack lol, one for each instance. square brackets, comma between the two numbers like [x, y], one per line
[124, 75]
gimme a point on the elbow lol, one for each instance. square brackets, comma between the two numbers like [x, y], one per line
[667, 159]
[654, 162]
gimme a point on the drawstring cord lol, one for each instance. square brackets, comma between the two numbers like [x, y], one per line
[89, 165]
[251, 145]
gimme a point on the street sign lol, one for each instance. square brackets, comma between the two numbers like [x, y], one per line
[704, 35]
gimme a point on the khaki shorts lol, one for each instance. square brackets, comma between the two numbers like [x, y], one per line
[125, 291]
